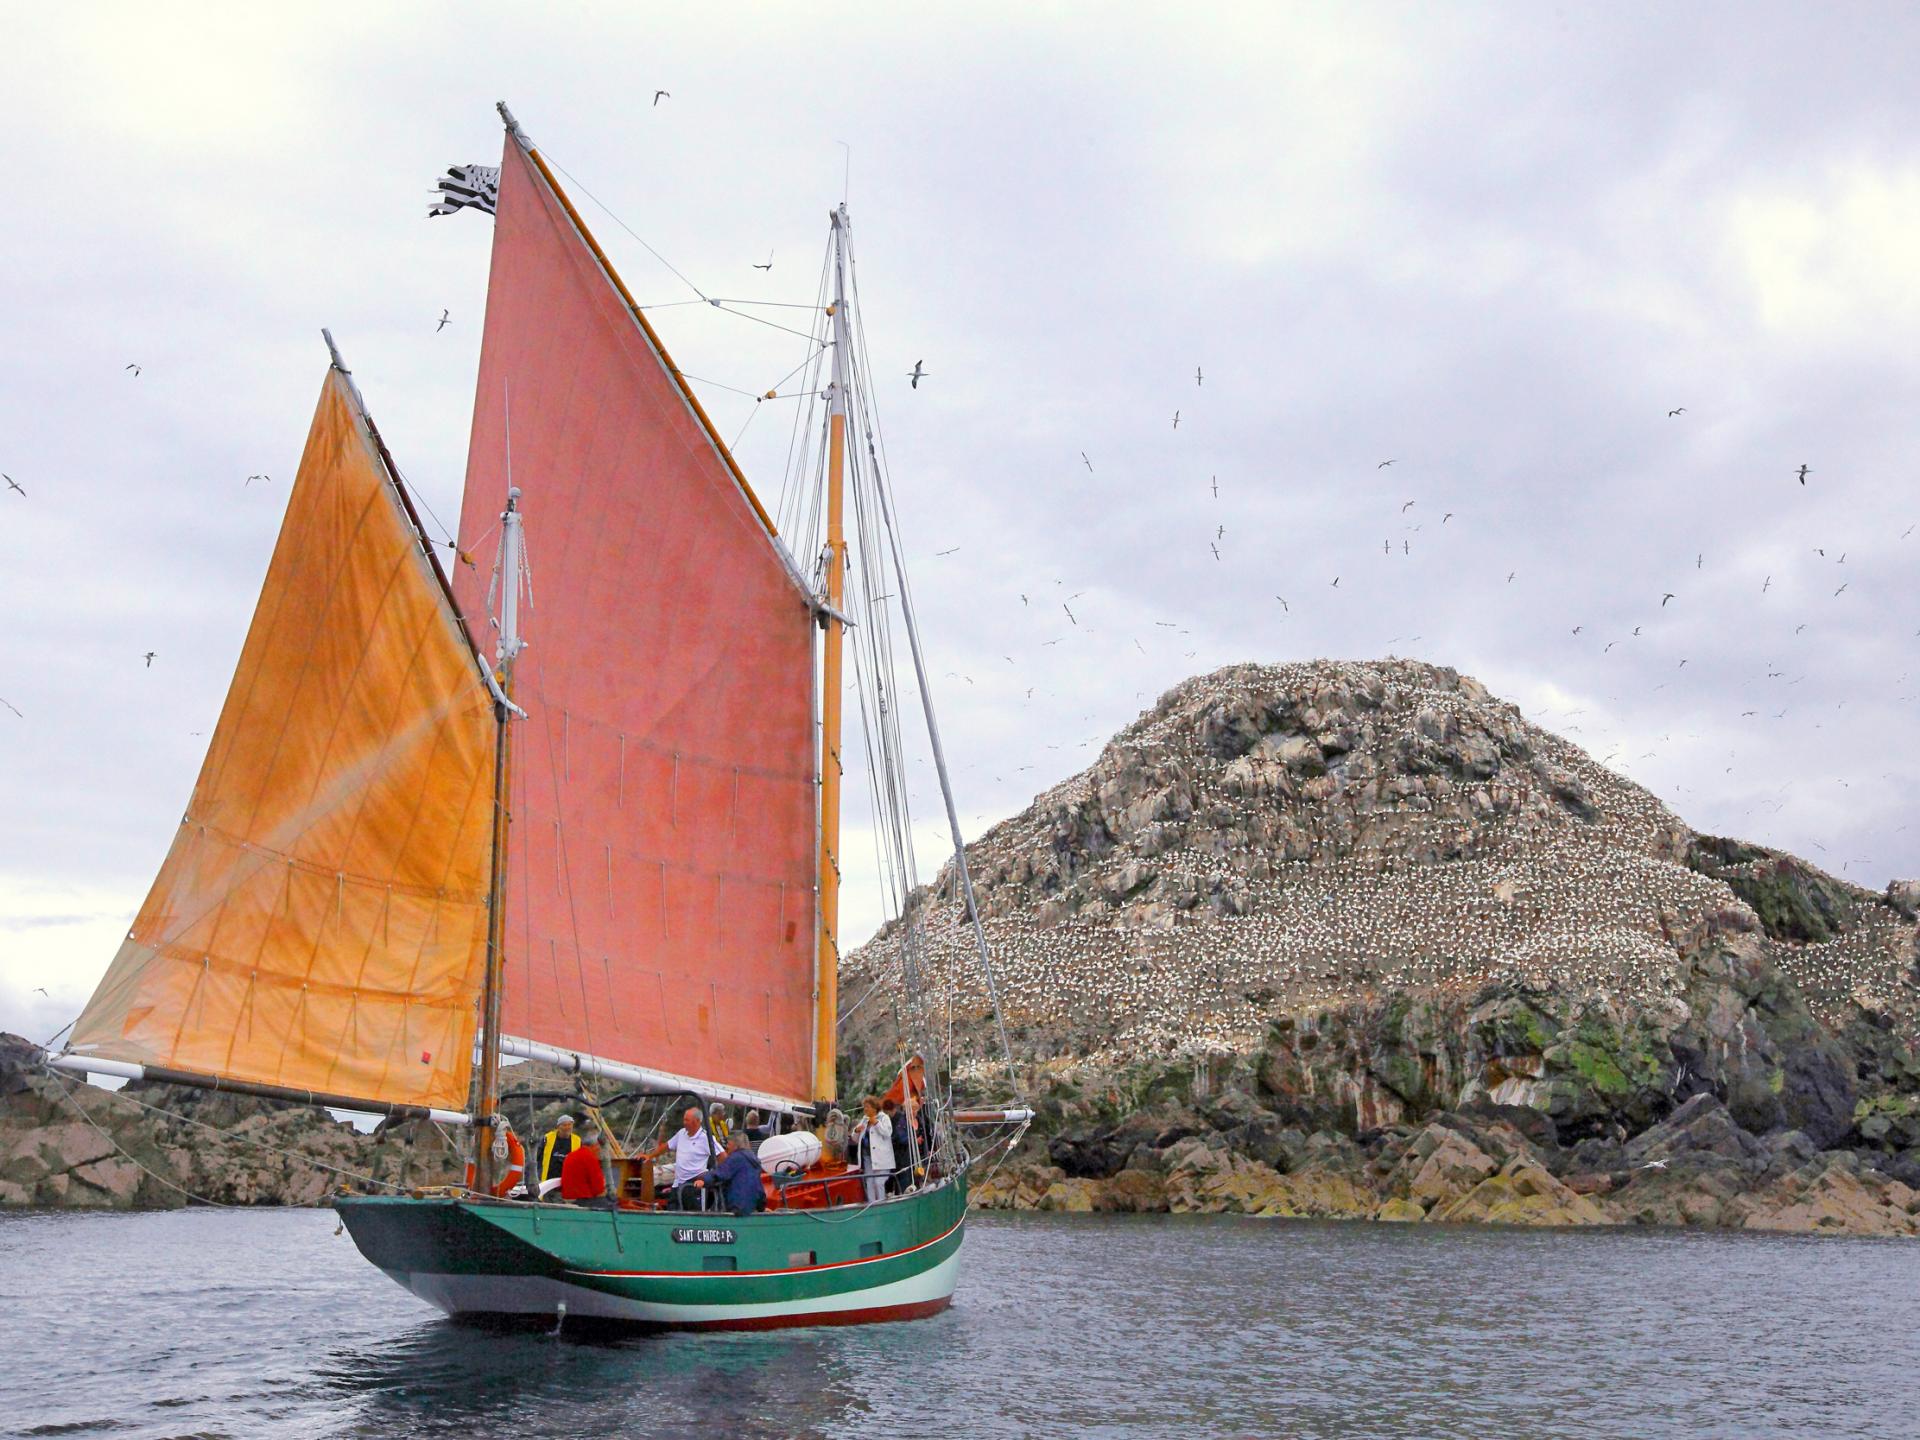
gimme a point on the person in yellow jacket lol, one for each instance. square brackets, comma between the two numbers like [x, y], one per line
[555, 1146]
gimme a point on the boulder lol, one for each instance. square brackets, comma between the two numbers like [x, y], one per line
[1521, 1194]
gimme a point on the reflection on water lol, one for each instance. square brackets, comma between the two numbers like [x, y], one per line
[242, 1324]
[443, 1378]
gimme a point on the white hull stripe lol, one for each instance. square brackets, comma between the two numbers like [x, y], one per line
[533, 1295]
[750, 1274]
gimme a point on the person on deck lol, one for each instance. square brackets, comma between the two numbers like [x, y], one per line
[916, 1151]
[718, 1123]
[693, 1151]
[737, 1177]
[897, 1179]
[759, 1130]
[555, 1147]
[583, 1179]
[874, 1134]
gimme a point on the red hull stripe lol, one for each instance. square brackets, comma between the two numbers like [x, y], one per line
[749, 1274]
[879, 1314]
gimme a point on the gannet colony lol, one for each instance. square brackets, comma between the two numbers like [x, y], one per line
[1351, 900]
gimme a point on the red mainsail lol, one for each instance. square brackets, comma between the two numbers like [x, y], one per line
[660, 882]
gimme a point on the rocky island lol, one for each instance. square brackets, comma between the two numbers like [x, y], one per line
[1319, 939]
[1357, 940]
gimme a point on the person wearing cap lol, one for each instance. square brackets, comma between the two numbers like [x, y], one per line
[583, 1179]
[558, 1144]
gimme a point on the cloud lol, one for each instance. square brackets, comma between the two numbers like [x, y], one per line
[1493, 246]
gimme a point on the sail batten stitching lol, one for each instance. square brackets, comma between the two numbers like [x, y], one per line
[352, 877]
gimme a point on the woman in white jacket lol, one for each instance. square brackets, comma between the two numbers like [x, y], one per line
[874, 1132]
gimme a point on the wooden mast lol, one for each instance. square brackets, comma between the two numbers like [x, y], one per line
[488, 1099]
[826, 1011]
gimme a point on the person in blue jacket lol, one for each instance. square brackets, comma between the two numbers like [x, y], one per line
[737, 1176]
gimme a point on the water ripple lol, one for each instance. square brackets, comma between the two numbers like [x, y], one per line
[265, 1324]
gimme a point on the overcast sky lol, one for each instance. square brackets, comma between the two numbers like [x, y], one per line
[1495, 245]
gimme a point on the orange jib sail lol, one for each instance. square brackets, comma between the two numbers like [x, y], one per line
[320, 921]
[660, 880]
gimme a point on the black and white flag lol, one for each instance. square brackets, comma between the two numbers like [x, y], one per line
[468, 185]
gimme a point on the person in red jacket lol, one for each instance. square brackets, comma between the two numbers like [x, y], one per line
[582, 1180]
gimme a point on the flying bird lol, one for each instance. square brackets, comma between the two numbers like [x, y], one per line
[1221, 533]
[1283, 603]
[444, 322]
[41, 990]
[1215, 548]
[954, 551]
[660, 95]
[1383, 464]
[1336, 582]
[252, 478]
[1842, 587]
[1803, 473]
[1664, 598]
[1608, 646]
[1446, 517]
[1083, 456]
[1216, 493]
[768, 265]
[1578, 628]
[12, 484]
[11, 706]
[149, 658]
[1681, 411]
[1408, 506]
[134, 368]
[1196, 375]
[1063, 606]
[919, 369]
[1023, 599]
[1176, 419]
[1766, 585]
[1510, 575]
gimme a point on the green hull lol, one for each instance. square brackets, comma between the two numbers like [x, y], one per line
[892, 1261]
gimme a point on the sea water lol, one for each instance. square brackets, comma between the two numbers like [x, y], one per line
[268, 1323]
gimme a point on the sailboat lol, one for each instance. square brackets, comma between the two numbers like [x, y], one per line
[449, 824]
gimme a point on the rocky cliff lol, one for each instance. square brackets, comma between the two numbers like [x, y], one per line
[67, 1144]
[1357, 939]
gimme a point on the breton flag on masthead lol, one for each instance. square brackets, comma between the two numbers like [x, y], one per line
[467, 185]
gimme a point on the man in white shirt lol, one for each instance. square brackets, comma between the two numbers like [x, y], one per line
[693, 1152]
